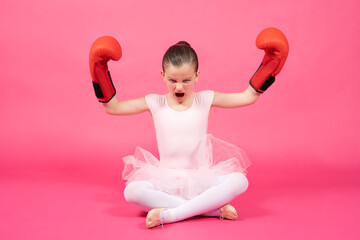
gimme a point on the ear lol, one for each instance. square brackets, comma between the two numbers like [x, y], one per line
[197, 76]
[162, 74]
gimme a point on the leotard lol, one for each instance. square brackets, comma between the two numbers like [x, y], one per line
[190, 159]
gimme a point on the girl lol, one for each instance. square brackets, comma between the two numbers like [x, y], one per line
[197, 174]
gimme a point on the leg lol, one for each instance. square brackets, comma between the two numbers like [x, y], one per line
[226, 189]
[144, 195]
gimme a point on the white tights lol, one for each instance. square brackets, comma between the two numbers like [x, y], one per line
[227, 187]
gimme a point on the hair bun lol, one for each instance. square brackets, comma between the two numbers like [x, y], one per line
[183, 43]
[179, 54]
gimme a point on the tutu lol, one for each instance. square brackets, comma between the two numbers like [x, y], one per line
[212, 158]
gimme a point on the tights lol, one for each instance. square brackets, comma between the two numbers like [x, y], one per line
[227, 187]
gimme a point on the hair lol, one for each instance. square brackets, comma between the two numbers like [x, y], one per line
[179, 54]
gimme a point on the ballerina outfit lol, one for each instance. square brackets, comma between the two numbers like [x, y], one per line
[191, 160]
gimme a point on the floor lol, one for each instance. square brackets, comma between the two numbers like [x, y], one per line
[70, 202]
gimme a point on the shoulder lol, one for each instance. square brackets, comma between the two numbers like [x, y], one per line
[205, 94]
[155, 101]
[205, 97]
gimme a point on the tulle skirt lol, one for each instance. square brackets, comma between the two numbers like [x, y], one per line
[213, 158]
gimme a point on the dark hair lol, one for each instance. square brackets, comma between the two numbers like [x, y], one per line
[180, 53]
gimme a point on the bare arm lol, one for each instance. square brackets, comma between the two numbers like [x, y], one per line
[128, 107]
[233, 100]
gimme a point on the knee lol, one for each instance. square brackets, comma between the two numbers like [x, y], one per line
[133, 192]
[240, 183]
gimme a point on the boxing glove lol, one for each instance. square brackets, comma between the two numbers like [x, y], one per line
[102, 50]
[276, 47]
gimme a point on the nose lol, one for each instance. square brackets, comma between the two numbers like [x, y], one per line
[179, 87]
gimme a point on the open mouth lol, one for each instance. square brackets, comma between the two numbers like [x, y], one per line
[179, 94]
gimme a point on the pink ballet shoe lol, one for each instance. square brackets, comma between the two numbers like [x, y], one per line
[228, 212]
[153, 218]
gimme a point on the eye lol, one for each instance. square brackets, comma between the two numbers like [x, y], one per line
[172, 81]
[186, 81]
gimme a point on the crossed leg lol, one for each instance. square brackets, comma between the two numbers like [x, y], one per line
[144, 195]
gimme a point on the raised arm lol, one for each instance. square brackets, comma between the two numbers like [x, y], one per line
[233, 100]
[129, 107]
[276, 47]
[104, 49]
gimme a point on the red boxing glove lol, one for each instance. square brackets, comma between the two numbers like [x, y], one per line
[102, 50]
[276, 47]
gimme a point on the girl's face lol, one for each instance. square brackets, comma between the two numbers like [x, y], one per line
[180, 81]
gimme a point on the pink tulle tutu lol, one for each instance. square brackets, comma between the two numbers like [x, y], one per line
[211, 159]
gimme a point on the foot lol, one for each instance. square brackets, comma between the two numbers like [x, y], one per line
[228, 212]
[154, 218]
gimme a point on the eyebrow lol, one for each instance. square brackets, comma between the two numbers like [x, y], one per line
[187, 78]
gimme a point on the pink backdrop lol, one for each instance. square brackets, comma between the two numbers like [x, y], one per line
[302, 132]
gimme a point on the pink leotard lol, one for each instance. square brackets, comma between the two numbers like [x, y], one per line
[190, 159]
[179, 133]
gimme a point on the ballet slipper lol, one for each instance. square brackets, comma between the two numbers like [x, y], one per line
[153, 218]
[228, 212]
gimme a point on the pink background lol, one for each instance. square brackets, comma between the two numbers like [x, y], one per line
[60, 154]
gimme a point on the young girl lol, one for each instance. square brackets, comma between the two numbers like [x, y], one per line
[197, 174]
